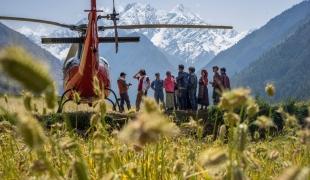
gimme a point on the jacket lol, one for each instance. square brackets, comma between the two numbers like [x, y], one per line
[169, 84]
[182, 80]
[122, 86]
[193, 81]
[157, 85]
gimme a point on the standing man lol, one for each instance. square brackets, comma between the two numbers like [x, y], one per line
[192, 88]
[217, 85]
[182, 83]
[169, 84]
[158, 86]
[225, 79]
[143, 86]
[123, 91]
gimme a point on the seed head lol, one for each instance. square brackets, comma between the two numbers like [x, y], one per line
[27, 101]
[273, 155]
[20, 66]
[231, 119]
[179, 166]
[252, 108]
[270, 89]
[148, 128]
[39, 166]
[76, 97]
[150, 106]
[222, 132]
[51, 96]
[213, 158]
[31, 131]
[94, 120]
[294, 173]
[291, 121]
[234, 99]
[6, 98]
[96, 85]
[79, 170]
[264, 122]
[242, 136]
[103, 108]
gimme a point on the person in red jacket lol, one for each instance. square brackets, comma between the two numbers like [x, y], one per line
[123, 91]
[169, 85]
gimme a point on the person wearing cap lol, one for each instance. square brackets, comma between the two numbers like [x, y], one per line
[192, 88]
[123, 91]
[182, 83]
[217, 85]
[143, 86]
[157, 85]
[225, 79]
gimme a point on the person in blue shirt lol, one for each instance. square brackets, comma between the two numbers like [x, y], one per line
[182, 83]
[158, 86]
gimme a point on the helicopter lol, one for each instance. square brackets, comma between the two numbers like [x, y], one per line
[83, 65]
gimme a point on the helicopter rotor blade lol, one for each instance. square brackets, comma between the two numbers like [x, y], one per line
[79, 40]
[72, 27]
[155, 26]
[115, 27]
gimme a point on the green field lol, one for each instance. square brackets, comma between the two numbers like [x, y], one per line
[241, 138]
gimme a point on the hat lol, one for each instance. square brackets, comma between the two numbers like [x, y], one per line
[123, 74]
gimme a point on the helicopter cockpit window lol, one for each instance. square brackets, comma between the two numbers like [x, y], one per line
[104, 62]
[71, 62]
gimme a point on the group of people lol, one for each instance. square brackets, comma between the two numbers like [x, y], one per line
[180, 92]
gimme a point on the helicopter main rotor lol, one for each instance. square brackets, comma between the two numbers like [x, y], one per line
[114, 16]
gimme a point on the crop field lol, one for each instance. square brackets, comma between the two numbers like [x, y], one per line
[241, 138]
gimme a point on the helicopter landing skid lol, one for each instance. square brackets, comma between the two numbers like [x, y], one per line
[62, 102]
[116, 103]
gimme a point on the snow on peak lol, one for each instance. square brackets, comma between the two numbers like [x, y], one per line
[179, 8]
[190, 45]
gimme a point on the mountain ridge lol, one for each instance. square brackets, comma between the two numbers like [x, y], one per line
[251, 47]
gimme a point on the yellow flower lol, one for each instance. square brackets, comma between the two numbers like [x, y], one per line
[270, 89]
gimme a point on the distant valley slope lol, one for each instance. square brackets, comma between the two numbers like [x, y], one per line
[287, 65]
[254, 45]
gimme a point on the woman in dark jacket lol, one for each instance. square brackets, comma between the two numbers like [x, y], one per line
[203, 95]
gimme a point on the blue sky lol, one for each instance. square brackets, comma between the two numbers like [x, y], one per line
[242, 14]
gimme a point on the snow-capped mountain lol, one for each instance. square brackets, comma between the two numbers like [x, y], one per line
[180, 45]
